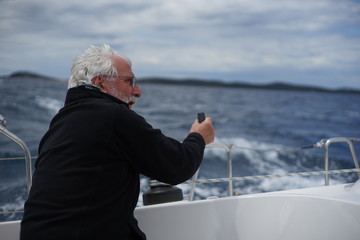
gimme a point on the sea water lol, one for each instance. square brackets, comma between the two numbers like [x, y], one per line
[268, 127]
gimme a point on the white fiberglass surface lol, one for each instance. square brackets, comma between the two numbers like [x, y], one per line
[318, 213]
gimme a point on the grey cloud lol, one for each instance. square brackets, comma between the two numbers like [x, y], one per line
[235, 38]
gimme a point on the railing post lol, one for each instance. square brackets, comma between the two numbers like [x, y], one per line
[231, 189]
[22, 144]
[326, 162]
[195, 177]
[353, 154]
[193, 185]
[326, 153]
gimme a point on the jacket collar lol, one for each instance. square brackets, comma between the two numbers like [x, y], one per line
[89, 91]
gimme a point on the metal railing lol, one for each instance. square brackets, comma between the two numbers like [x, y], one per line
[324, 143]
[230, 171]
[23, 146]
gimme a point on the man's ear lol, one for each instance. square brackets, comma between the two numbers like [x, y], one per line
[97, 81]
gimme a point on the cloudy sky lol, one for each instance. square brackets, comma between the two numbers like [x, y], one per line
[312, 42]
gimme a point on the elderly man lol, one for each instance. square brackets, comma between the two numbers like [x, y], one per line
[86, 179]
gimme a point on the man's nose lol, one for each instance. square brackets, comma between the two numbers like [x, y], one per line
[136, 91]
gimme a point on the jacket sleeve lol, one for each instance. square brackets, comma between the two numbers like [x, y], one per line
[153, 154]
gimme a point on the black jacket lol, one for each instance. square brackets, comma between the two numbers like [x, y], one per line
[86, 180]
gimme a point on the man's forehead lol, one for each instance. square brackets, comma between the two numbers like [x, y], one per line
[121, 64]
[120, 60]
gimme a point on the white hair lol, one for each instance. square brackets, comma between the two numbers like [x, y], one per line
[94, 61]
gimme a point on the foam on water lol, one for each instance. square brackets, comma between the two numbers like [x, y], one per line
[261, 158]
[286, 183]
[16, 207]
[50, 104]
[12, 183]
[14, 194]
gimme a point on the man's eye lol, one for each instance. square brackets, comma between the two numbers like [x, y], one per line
[130, 81]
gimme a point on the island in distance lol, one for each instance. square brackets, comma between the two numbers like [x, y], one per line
[200, 82]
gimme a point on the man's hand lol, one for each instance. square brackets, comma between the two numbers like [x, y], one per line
[205, 129]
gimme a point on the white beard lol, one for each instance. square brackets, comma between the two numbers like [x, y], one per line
[130, 100]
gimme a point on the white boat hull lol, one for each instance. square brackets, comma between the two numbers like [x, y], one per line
[319, 213]
[326, 213]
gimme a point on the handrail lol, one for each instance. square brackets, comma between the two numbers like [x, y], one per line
[195, 177]
[321, 144]
[325, 143]
[22, 144]
[272, 176]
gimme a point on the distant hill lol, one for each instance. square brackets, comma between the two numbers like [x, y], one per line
[27, 74]
[268, 86]
[202, 82]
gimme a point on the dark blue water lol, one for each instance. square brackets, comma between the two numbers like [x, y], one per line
[249, 118]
